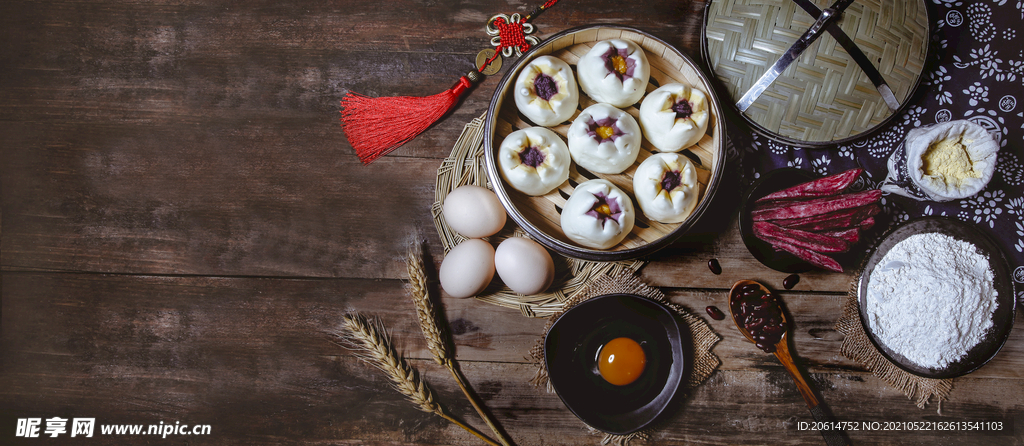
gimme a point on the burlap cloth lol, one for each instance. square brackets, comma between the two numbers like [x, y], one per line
[704, 361]
[858, 347]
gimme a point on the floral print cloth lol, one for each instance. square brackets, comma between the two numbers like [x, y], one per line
[978, 76]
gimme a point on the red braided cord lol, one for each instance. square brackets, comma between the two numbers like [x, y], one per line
[510, 35]
[541, 9]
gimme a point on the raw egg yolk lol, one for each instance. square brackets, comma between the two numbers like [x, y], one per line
[621, 361]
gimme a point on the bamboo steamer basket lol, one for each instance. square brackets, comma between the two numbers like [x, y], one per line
[824, 98]
[539, 216]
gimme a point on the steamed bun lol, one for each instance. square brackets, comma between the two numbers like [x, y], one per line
[666, 187]
[534, 160]
[597, 215]
[604, 139]
[614, 71]
[546, 92]
[674, 117]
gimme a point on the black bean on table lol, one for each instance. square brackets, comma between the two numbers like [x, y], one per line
[790, 281]
[715, 313]
[714, 266]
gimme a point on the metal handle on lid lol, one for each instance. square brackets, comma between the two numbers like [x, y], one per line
[826, 18]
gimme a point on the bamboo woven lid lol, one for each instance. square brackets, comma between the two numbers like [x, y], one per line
[824, 97]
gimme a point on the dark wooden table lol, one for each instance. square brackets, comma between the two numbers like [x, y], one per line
[183, 222]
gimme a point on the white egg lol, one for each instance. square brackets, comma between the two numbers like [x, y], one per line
[597, 215]
[604, 139]
[545, 91]
[467, 269]
[473, 211]
[524, 265]
[666, 187]
[614, 71]
[534, 160]
[674, 117]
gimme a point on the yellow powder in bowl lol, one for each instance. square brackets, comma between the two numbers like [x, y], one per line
[947, 159]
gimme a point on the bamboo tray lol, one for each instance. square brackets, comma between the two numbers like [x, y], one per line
[824, 98]
[539, 216]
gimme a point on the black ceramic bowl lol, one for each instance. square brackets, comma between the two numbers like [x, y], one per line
[571, 348]
[770, 182]
[1002, 318]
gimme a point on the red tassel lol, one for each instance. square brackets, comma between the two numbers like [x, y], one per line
[376, 126]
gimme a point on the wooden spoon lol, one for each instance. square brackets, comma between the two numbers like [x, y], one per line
[820, 412]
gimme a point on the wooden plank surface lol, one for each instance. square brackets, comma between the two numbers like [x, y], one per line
[253, 358]
[182, 223]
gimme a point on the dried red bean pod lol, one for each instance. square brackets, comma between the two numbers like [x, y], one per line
[830, 185]
[815, 258]
[850, 236]
[843, 218]
[809, 240]
[818, 206]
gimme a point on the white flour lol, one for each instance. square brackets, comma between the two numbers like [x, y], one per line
[931, 299]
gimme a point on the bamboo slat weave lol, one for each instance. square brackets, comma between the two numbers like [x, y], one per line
[824, 95]
[667, 66]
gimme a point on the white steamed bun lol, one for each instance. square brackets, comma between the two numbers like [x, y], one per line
[597, 215]
[534, 160]
[614, 71]
[674, 117]
[546, 91]
[604, 139]
[666, 187]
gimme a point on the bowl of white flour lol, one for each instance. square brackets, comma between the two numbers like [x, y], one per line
[936, 298]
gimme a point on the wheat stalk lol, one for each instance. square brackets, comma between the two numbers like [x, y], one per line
[370, 341]
[439, 339]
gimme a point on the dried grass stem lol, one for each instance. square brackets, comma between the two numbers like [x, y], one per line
[438, 337]
[369, 339]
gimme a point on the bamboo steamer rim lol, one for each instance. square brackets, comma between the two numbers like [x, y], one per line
[716, 129]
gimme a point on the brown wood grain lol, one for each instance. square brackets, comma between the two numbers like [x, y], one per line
[166, 132]
[253, 357]
[183, 223]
